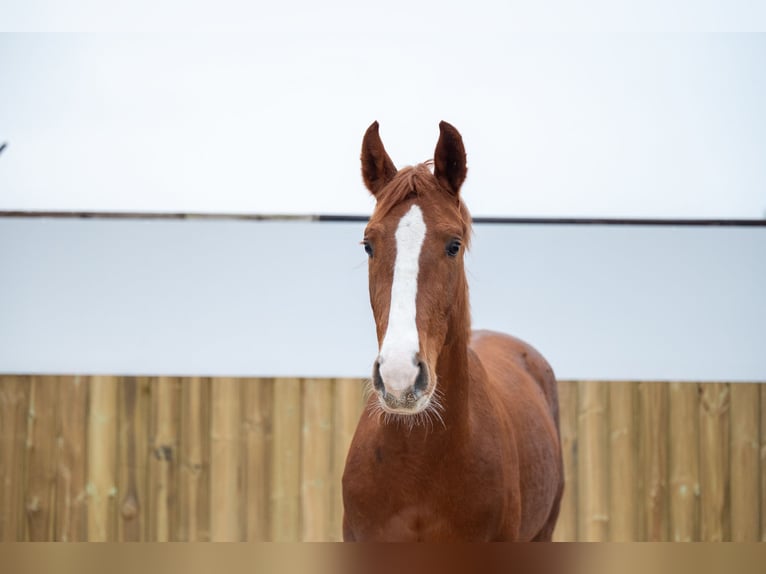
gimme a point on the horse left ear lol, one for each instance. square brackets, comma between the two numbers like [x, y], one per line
[449, 158]
[377, 167]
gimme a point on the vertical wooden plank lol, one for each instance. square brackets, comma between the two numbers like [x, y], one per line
[566, 526]
[127, 481]
[286, 464]
[259, 405]
[102, 456]
[316, 465]
[348, 399]
[194, 481]
[684, 462]
[762, 387]
[41, 459]
[593, 464]
[70, 517]
[623, 486]
[15, 394]
[744, 462]
[225, 452]
[163, 463]
[134, 422]
[714, 463]
[654, 460]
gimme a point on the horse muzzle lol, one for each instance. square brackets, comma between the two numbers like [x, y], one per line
[402, 388]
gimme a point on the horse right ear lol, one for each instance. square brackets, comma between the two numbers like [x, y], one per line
[449, 158]
[377, 167]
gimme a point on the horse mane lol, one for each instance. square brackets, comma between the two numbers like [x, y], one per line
[418, 181]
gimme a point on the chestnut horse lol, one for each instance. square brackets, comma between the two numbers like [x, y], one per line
[460, 438]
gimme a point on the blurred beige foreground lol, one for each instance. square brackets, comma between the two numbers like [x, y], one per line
[376, 558]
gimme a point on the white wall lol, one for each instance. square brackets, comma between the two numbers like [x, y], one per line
[290, 298]
[269, 119]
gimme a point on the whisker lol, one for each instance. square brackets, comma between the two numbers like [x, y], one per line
[368, 389]
[426, 419]
[439, 416]
[436, 407]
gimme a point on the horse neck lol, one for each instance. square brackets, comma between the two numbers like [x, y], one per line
[452, 368]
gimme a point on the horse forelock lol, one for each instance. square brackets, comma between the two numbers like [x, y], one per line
[418, 182]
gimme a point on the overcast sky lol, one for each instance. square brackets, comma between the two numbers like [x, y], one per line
[270, 120]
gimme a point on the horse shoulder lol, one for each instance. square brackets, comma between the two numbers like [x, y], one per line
[522, 386]
[509, 361]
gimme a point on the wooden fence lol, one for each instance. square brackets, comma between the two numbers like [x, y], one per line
[131, 458]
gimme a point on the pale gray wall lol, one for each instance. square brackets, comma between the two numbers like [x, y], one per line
[277, 298]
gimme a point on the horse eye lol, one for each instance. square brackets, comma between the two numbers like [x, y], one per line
[367, 248]
[453, 248]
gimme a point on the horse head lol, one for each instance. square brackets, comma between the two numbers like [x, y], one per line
[415, 241]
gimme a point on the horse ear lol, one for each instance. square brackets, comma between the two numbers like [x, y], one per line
[377, 167]
[449, 158]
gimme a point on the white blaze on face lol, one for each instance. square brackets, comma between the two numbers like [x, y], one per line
[398, 364]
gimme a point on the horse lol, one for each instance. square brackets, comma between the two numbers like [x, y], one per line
[460, 437]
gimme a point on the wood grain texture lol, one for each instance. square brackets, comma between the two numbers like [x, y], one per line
[163, 460]
[257, 460]
[226, 507]
[763, 462]
[41, 459]
[15, 394]
[285, 504]
[623, 468]
[744, 464]
[714, 463]
[258, 417]
[653, 457]
[593, 462]
[102, 459]
[194, 463]
[316, 459]
[133, 458]
[566, 526]
[684, 462]
[71, 439]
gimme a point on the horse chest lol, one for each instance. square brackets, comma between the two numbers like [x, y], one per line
[413, 523]
[424, 518]
[399, 498]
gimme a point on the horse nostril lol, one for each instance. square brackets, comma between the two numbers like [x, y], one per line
[377, 380]
[421, 382]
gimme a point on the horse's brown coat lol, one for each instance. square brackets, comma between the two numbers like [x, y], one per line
[490, 467]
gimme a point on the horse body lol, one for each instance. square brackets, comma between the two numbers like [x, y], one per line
[469, 481]
[460, 438]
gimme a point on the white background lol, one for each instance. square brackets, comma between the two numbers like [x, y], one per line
[268, 118]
